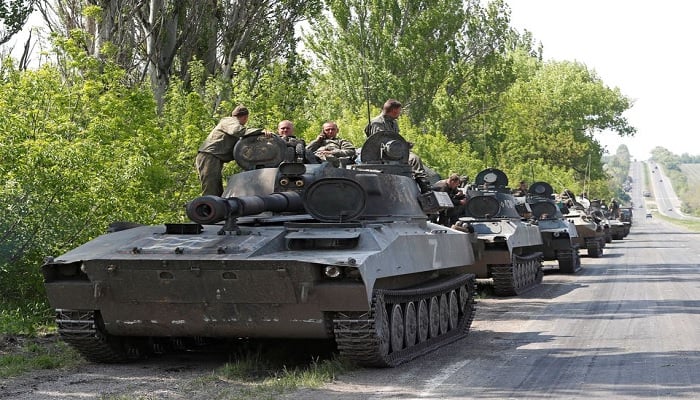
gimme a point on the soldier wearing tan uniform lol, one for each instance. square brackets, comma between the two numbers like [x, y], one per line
[217, 150]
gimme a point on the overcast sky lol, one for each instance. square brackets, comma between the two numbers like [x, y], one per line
[648, 49]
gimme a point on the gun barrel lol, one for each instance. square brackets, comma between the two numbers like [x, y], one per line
[208, 210]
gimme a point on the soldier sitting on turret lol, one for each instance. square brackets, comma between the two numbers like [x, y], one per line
[296, 146]
[521, 190]
[328, 147]
[451, 187]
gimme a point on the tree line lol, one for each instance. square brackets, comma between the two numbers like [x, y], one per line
[103, 123]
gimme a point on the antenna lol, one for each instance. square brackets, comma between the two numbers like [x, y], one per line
[587, 175]
[483, 132]
[365, 77]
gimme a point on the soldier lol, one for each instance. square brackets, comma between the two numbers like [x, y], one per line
[451, 187]
[217, 150]
[614, 209]
[329, 147]
[296, 147]
[387, 122]
[521, 190]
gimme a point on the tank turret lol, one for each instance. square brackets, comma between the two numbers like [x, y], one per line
[290, 250]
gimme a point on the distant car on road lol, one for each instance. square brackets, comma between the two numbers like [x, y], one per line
[646, 193]
[649, 215]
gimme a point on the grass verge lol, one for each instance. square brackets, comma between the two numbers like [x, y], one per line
[20, 354]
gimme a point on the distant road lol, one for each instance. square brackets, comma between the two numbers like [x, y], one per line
[667, 202]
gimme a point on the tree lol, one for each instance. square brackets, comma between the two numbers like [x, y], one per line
[551, 115]
[374, 50]
[159, 39]
[13, 16]
[76, 156]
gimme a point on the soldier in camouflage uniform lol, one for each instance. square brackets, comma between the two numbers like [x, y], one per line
[451, 187]
[387, 122]
[328, 147]
[217, 150]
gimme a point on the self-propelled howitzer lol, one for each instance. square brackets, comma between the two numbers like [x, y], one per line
[508, 250]
[559, 235]
[289, 251]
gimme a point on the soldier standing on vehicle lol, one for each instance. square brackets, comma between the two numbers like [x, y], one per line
[387, 122]
[217, 150]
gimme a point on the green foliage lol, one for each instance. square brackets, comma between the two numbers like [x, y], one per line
[274, 93]
[272, 380]
[77, 155]
[13, 15]
[617, 167]
[395, 49]
[550, 116]
[24, 317]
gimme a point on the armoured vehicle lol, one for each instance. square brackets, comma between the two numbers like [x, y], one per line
[619, 228]
[507, 248]
[290, 250]
[626, 214]
[591, 235]
[599, 211]
[558, 234]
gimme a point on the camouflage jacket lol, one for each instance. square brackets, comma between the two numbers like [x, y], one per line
[338, 147]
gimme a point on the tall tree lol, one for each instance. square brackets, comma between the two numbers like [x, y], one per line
[381, 49]
[405, 49]
[551, 115]
[159, 39]
[13, 16]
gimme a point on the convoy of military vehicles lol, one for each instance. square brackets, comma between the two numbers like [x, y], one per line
[294, 250]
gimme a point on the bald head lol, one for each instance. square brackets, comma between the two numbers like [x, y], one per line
[285, 128]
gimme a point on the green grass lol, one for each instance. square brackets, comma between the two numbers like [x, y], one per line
[686, 223]
[261, 380]
[37, 355]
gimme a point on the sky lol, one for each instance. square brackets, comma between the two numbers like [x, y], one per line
[647, 49]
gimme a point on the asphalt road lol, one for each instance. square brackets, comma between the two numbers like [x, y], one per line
[625, 327]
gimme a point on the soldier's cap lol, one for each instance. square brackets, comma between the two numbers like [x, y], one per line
[239, 111]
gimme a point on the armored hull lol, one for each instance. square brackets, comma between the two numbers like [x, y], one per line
[591, 235]
[295, 251]
[507, 249]
[618, 229]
